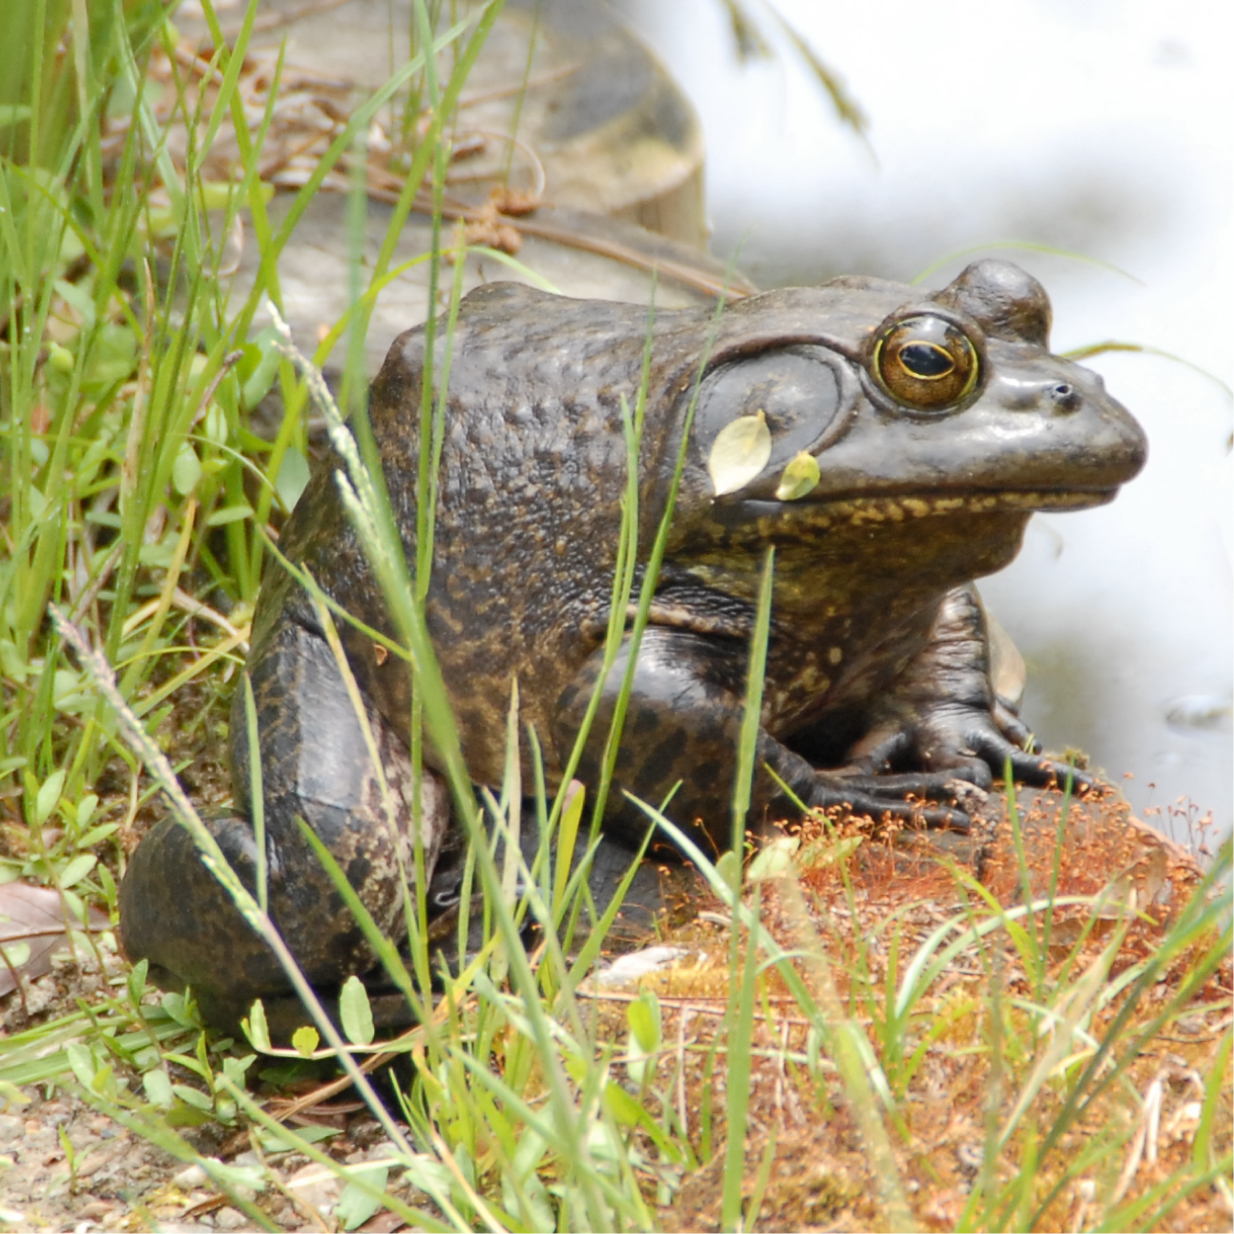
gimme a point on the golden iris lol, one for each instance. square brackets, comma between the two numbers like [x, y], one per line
[926, 362]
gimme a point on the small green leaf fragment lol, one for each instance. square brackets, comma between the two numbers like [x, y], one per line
[259, 366]
[15, 954]
[740, 451]
[293, 477]
[229, 514]
[827, 853]
[200, 1101]
[355, 1206]
[773, 859]
[255, 1028]
[82, 1062]
[355, 1012]
[48, 795]
[137, 981]
[273, 1142]
[623, 1107]
[62, 360]
[305, 1040]
[186, 470]
[176, 1006]
[77, 869]
[235, 1069]
[85, 809]
[644, 1016]
[800, 477]
[728, 867]
[645, 1025]
[158, 1088]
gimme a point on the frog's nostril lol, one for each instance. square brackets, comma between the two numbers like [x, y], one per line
[1064, 396]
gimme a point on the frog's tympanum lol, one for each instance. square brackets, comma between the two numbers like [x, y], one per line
[908, 439]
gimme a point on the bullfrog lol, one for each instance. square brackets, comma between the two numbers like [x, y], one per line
[890, 444]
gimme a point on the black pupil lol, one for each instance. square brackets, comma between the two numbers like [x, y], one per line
[926, 360]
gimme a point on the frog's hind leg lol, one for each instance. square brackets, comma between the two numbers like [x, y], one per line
[315, 765]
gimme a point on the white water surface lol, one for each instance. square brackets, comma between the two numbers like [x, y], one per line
[1101, 127]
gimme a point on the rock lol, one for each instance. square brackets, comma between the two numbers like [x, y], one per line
[630, 969]
[316, 1186]
[190, 1177]
[605, 179]
[93, 1162]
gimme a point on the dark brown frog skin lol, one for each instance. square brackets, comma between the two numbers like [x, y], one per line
[939, 422]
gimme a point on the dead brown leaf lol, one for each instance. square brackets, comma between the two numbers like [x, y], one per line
[34, 925]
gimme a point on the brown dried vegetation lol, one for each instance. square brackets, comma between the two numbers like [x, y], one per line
[974, 1042]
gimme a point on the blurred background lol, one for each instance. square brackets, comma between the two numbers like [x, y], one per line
[1098, 127]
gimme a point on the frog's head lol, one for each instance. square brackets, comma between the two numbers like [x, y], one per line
[892, 393]
[868, 399]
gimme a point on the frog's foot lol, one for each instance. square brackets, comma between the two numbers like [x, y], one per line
[943, 714]
[887, 797]
[961, 742]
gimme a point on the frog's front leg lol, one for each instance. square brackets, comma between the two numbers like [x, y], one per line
[941, 714]
[315, 765]
[682, 728]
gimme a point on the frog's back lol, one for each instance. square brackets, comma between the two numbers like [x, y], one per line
[531, 474]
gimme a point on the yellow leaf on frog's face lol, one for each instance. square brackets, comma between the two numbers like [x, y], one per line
[740, 451]
[304, 1040]
[800, 477]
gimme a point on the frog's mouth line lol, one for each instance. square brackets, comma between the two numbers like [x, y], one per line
[902, 507]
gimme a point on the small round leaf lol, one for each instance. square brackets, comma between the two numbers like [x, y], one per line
[800, 477]
[740, 451]
[305, 1040]
[355, 1012]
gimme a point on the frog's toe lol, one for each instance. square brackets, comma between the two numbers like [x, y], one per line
[1064, 776]
[1029, 767]
[885, 798]
[1013, 728]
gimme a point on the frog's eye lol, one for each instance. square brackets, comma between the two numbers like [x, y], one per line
[926, 362]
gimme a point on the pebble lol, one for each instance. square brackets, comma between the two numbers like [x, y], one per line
[317, 1186]
[638, 964]
[39, 996]
[190, 1177]
[10, 1127]
[96, 1160]
[230, 1219]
